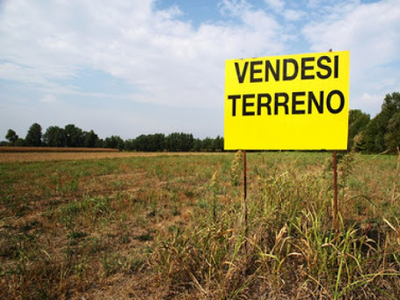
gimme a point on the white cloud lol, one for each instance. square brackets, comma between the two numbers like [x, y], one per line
[277, 5]
[48, 99]
[369, 103]
[372, 31]
[165, 59]
[293, 15]
[372, 34]
[235, 7]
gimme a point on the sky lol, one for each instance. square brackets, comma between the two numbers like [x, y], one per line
[132, 67]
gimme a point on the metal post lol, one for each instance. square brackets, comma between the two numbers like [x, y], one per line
[245, 199]
[335, 194]
[245, 187]
[335, 199]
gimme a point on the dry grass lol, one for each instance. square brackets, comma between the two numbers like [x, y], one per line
[170, 226]
[54, 149]
[31, 156]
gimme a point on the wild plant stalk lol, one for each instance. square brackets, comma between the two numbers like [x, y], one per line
[214, 184]
[236, 168]
[396, 176]
[346, 166]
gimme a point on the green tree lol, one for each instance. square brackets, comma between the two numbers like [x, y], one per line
[73, 136]
[179, 142]
[34, 135]
[91, 139]
[99, 143]
[20, 143]
[12, 136]
[150, 142]
[140, 143]
[207, 144]
[358, 122]
[375, 137]
[130, 145]
[197, 145]
[218, 144]
[392, 136]
[114, 142]
[54, 137]
[158, 142]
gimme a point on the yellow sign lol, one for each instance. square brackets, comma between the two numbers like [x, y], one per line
[296, 102]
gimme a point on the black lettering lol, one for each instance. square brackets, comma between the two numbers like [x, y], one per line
[304, 67]
[312, 100]
[242, 75]
[253, 71]
[336, 73]
[322, 66]
[284, 104]
[247, 104]
[274, 72]
[260, 104]
[234, 98]
[329, 102]
[295, 103]
[285, 69]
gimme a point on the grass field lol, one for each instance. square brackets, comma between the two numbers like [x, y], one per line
[24, 156]
[161, 226]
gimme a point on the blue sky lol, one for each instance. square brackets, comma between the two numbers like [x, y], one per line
[127, 67]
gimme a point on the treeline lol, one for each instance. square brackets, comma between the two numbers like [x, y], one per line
[380, 134]
[174, 142]
[73, 136]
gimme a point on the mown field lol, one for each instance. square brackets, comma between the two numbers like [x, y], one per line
[172, 227]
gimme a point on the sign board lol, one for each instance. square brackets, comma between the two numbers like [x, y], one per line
[294, 102]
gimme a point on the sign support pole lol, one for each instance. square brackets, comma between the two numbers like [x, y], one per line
[245, 186]
[335, 194]
[245, 195]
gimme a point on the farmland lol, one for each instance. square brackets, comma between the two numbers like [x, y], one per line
[54, 154]
[171, 226]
